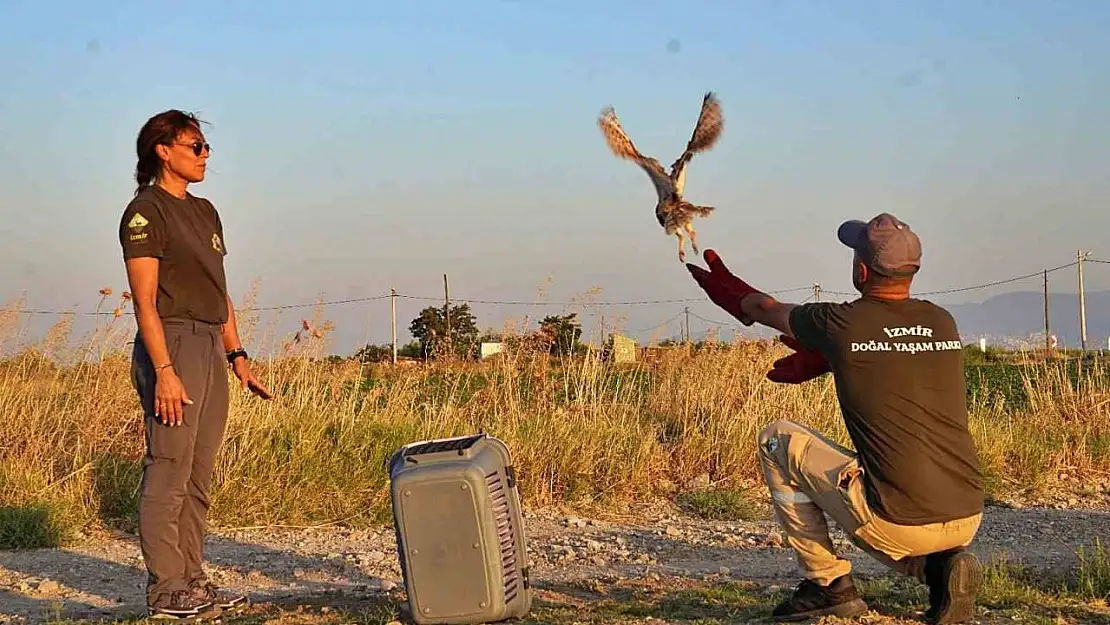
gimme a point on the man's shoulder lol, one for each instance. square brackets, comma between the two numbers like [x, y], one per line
[931, 305]
[928, 308]
[828, 310]
[817, 324]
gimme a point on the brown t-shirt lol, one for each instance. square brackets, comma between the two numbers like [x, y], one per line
[898, 367]
[187, 237]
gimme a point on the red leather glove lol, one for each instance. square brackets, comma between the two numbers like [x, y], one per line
[723, 288]
[801, 366]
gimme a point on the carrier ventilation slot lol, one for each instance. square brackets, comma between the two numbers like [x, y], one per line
[506, 535]
[451, 444]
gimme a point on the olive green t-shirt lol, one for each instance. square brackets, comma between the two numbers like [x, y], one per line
[187, 237]
[898, 367]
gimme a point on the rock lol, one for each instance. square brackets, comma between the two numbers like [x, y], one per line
[724, 570]
[386, 585]
[673, 531]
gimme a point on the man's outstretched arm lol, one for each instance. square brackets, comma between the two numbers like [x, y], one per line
[764, 309]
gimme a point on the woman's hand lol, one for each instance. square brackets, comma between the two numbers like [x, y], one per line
[242, 370]
[170, 398]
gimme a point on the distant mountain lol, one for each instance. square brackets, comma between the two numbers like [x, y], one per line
[1010, 319]
[1017, 315]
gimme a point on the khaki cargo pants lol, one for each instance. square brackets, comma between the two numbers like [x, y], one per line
[179, 461]
[810, 476]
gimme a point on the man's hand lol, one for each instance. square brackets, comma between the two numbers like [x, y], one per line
[242, 371]
[801, 366]
[723, 288]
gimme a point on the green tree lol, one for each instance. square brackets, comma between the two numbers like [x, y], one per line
[410, 350]
[430, 329]
[562, 333]
[371, 353]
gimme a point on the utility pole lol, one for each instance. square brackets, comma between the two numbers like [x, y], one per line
[1047, 331]
[816, 291]
[687, 311]
[447, 308]
[1080, 256]
[393, 320]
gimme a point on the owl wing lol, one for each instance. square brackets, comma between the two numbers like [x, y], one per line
[621, 145]
[706, 133]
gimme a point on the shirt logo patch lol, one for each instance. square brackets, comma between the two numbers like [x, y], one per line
[137, 221]
[216, 243]
[136, 225]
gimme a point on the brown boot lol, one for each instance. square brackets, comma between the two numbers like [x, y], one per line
[954, 578]
[208, 592]
[180, 604]
[839, 598]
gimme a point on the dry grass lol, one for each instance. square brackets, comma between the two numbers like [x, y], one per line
[585, 433]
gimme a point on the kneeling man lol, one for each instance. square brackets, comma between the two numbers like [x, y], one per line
[912, 493]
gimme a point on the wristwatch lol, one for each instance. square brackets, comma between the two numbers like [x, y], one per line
[235, 353]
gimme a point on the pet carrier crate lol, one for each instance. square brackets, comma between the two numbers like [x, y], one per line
[460, 536]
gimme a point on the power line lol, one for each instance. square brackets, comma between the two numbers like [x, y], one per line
[660, 324]
[1035, 274]
[614, 303]
[646, 302]
[712, 322]
[328, 303]
[984, 285]
[525, 303]
[353, 300]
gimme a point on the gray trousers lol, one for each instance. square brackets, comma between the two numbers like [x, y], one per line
[179, 461]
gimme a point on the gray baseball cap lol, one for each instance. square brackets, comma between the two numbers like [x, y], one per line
[885, 243]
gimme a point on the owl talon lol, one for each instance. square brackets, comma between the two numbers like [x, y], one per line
[693, 236]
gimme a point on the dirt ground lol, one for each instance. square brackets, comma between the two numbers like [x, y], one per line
[104, 578]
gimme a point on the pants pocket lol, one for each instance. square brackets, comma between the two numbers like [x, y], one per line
[173, 345]
[173, 338]
[850, 486]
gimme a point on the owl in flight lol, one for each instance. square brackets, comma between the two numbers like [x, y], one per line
[674, 213]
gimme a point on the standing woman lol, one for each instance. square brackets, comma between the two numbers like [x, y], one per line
[173, 248]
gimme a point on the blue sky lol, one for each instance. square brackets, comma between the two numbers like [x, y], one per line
[363, 146]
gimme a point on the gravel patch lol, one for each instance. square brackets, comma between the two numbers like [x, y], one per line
[104, 578]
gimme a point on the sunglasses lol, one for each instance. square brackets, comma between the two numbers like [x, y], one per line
[198, 147]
